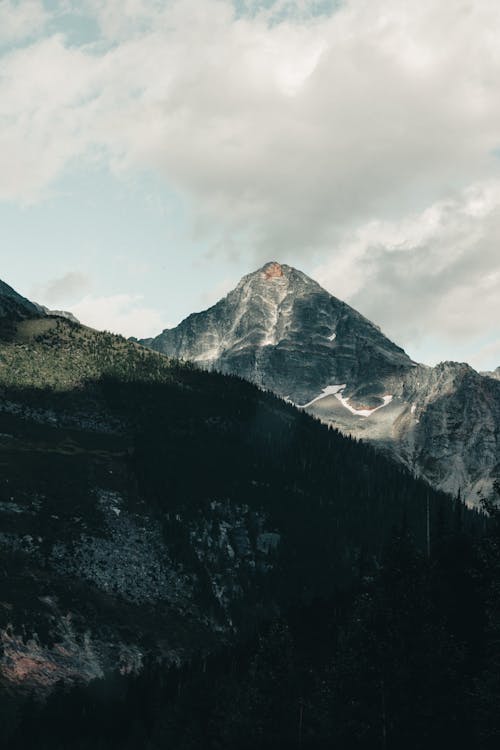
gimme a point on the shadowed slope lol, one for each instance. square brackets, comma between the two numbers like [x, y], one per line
[148, 506]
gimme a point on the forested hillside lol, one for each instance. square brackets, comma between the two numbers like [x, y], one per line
[149, 508]
[407, 657]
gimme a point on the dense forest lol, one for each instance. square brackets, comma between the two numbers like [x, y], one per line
[326, 598]
[407, 657]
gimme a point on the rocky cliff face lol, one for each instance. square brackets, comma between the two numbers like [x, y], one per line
[57, 313]
[279, 329]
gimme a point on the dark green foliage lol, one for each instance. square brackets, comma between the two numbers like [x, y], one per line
[396, 662]
[179, 440]
[373, 638]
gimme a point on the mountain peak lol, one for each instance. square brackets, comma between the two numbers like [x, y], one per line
[272, 270]
[280, 329]
[278, 276]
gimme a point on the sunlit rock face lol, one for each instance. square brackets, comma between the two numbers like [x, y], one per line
[281, 330]
[57, 313]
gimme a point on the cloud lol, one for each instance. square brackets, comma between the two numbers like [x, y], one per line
[119, 313]
[21, 20]
[283, 131]
[435, 274]
[364, 139]
[488, 357]
[62, 290]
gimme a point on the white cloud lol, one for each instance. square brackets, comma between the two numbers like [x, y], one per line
[323, 137]
[488, 357]
[286, 131]
[21, 20]
[120, 313]
[435, 274]
[62, 290]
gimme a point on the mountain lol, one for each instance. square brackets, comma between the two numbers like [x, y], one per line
[282, 331]
[15, 307]
[148, 507]
[57, 313]
[12, 305]
[493, 374]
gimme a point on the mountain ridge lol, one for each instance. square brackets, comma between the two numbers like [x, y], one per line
[14, 305]
[264, 318]
[149, 507]
[282, 331]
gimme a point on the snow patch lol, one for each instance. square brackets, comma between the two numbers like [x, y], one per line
[362, 412]
[337, 391]
[330, 390]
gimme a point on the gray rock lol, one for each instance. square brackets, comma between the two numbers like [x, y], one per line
[57, 313]
[281, 330]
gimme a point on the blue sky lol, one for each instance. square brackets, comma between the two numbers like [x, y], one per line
[154, 151]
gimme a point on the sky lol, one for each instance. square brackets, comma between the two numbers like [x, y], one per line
[154, 151]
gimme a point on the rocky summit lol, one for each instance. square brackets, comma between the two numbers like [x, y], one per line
[281, 330]
[284, 332]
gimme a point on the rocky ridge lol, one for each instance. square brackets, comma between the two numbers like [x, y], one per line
[281, 330]
[57, 313]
